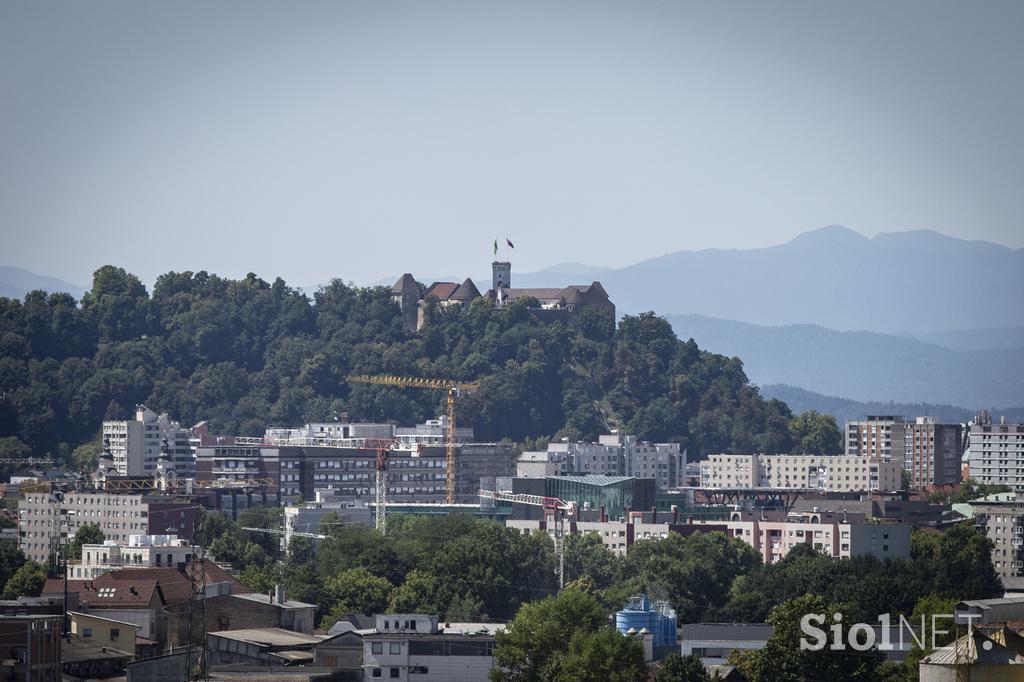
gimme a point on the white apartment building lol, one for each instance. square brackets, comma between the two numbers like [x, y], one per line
[142, 551]
[614, 455]
[995, 452]
[772, 533]
[42, 516]
[879, 436]
[830, 473]
[412, 647]
[136, 443]
[837, 534]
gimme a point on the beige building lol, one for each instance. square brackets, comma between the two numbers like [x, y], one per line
[141, 551]
[881, 436]
[136, 444]
[104, 632]
[829, 473]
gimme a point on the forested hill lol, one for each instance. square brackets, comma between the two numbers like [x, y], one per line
[246, 354]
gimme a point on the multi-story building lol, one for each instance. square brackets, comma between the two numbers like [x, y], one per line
[995, 452]
[342, 458]
[614, 455]
[141, 551]
[45, 518]
[412, 647]
[618, 535]
[1001, 519]
[837, 534]
[831, 473]
[772, 533]
[933, 452]
[878, 436]
[136, 444]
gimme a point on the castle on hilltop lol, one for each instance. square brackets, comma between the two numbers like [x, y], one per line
[555, 304]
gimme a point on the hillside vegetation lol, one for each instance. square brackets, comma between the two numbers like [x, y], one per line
[245, 354]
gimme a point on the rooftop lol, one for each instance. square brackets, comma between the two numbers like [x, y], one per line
[270, 637]
[265, 599]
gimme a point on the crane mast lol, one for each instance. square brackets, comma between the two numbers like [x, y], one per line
[453, 390]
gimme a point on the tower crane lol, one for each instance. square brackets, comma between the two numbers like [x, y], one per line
[553, 505]
[453, 390]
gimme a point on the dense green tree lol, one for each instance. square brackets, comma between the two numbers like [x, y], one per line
[783, 660]
[602, 656]
[677, 668]
[356, 590]
[27, 581]
[11, 559]
[87, 534]
[815, 434]
[530, 648]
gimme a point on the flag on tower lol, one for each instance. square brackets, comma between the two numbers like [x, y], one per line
[509, 242]
[495, 247]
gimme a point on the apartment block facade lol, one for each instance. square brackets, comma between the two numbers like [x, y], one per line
[829, 473]
[878, 436]
[933, 452]
[1002, 522]
[995, 452]
[136, 444]
[42, 516]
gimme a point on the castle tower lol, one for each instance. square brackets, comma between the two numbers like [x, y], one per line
[501, 278]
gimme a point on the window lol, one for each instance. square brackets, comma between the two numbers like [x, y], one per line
[418, 670]
[86, 632]
[377, 647]
[395, 673]
[375, 672]
[395, 648]
[114, 634]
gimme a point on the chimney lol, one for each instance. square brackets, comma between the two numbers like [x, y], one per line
[279, 594]
[604, 518]
[675, 513]
[654, 514]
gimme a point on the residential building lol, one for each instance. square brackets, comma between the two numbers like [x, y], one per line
[413, 648]
[136, 444]
[257, 610]
[31, 646]
[156, 551]
[933, 452]
[618, 535]
[43, 518]
[878, 436]
[839, 535]
[995, 452]
[104, 632]
[1002, 521]
[981, 654]
[829, 473]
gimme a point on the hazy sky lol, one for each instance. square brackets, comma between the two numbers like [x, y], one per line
[313, 140]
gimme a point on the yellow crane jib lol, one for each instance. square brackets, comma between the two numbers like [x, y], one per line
[453, 388]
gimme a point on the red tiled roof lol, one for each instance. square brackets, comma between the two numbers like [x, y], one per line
[441, 290]
[405, 284]
[467, 291]
[174, 584]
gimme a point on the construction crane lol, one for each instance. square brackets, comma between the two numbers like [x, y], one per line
[453, 389]
[553, 505]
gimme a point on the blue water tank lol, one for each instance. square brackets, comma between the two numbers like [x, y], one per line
[659, 619]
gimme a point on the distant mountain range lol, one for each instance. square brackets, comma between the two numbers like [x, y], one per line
[862, 366]
[800, 400]
[16, 282]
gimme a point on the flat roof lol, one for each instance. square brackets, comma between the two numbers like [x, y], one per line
[265, 599]
[269, 636]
